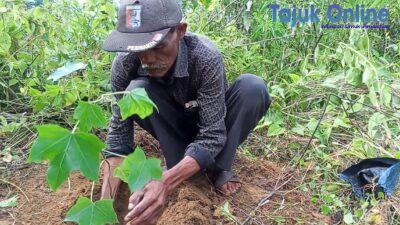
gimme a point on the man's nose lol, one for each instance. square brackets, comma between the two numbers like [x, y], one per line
[147, 57]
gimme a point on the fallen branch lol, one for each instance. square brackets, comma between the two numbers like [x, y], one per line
[12, 184]
[265, 200]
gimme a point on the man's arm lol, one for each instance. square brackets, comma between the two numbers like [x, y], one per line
[120, 133]
[110, 183]
[211, 137]
[186, 168]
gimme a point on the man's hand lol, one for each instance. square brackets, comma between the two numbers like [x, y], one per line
[147, 205]
[110, 183]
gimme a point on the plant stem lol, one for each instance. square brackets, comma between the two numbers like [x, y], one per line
[69, 184]
[115, 154]
[76, 126]
[109, 94]
[91, 191]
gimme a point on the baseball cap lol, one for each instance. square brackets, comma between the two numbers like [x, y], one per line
[142, 24]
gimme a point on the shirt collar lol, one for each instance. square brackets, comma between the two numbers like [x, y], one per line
[181, 66]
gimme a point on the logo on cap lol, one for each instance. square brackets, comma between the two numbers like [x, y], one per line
[157, 37]
[133, 19]
[154, 41]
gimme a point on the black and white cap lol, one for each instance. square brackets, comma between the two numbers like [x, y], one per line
[142, 24]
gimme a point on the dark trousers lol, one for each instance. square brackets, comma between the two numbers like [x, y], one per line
[247, 100]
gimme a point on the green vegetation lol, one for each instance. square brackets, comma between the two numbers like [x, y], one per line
[137, 171]
[87, 213]
[351, 73]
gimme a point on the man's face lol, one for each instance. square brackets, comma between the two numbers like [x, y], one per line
[158, 60]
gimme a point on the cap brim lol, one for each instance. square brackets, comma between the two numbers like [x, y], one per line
[133, 42]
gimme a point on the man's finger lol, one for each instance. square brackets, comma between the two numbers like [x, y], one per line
[156, 216]
[139, 208]
[135, 199]
[149, 216]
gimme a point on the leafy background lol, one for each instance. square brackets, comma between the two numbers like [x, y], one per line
[354, 72]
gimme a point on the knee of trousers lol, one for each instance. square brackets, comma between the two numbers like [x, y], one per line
[254, 91]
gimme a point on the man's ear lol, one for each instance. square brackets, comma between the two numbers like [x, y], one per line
[182, 30]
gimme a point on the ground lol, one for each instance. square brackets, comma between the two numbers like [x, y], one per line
[193, 202]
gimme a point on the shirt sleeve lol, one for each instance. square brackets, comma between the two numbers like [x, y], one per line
[212, 111]
[120, 132]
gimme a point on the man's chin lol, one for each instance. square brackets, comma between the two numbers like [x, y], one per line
[157, 74]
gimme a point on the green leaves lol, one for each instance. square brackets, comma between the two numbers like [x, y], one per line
[66, 152]
[375, 125]
[85, 212]
[11, 202]
[299, 129]
[275, 130]
[206, 3]
[348, 218]
[89, 116]
[137, 171]
[354, 77]
[5, 43]
[136, 102]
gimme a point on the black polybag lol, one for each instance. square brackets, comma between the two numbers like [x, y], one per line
[373, 175]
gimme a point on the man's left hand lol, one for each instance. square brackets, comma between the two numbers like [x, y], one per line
[147, 204]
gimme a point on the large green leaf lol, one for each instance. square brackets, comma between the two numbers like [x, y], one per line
[66, 152]
[136, 102]
[137, 171]
[89, 116]
[66, 70]
[85, 212]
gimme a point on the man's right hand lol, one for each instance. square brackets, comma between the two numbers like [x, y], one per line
[110, 183]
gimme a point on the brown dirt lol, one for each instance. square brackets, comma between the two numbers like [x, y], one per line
[194, 202]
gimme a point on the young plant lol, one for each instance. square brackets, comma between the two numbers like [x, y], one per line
[78, 150]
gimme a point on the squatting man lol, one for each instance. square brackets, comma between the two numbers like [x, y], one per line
[200, 122]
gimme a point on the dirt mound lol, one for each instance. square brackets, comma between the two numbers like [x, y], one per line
[44, 206]
[193, 202]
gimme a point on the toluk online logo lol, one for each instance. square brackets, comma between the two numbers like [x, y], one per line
[335, 14]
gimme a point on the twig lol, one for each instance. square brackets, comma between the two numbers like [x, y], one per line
[69, 184]
[91, 192]
[264, 200]
[76, 126]
[219, 13]
[12, 216]
[109, 94]
[92, 189]
[315, 131]
[264, 40]
[12, 184]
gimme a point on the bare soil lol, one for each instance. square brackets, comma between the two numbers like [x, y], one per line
[194, 202]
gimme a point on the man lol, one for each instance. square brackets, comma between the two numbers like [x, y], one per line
[200, 122]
